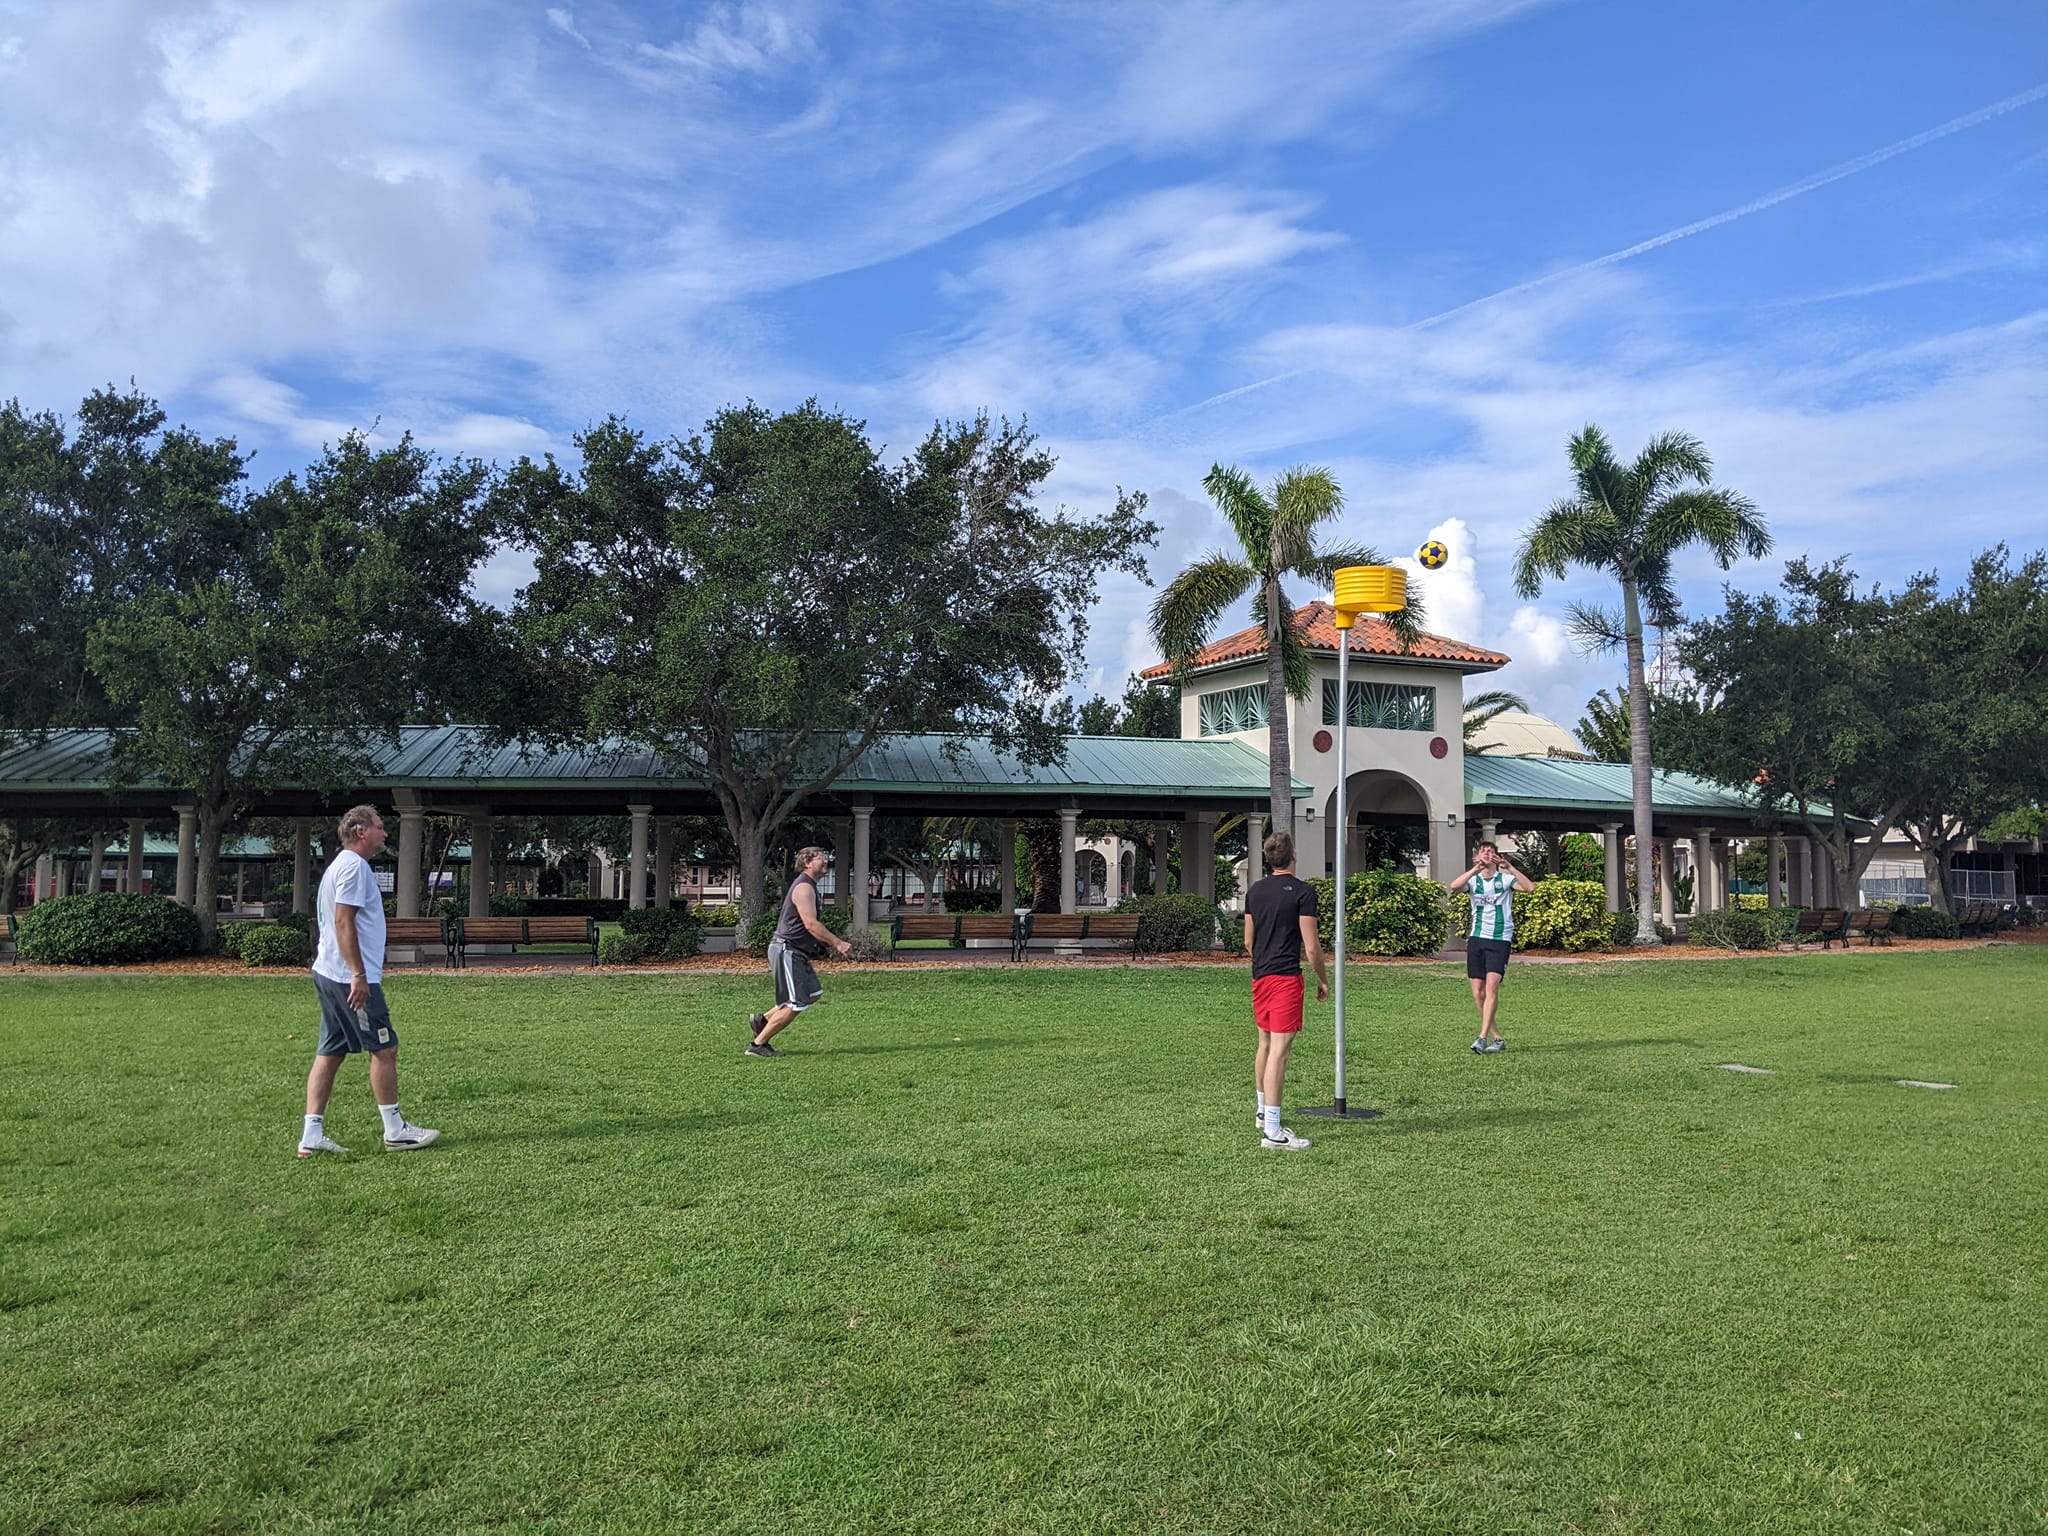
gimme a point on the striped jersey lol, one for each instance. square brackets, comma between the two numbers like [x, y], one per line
[1493, 905]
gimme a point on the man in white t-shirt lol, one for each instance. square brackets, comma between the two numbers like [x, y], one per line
[348, 973]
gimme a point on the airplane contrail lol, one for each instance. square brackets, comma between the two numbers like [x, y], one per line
[1811, 183]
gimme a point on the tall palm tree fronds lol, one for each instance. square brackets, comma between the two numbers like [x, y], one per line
[1277, 531]
[1630, 520]
[1482, 708]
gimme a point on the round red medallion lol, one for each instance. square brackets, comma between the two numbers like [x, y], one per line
[1322, 741]
[1438, 747]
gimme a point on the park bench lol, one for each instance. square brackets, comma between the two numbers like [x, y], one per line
[1874, 923]
[1823, 924]
[955, 928]
[1080, 927]
[419, 931]
[1977, 917]
[515, 931]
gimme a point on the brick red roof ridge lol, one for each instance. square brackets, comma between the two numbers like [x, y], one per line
[1317, 622]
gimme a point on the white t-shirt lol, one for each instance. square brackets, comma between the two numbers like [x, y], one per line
[350, 882]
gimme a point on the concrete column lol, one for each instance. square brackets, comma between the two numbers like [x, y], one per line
[1254, 857]
[412, 841]
[1198, 856]
[665, 861]
[593, 873]
[46, 872]
[1724, 877]
[187, 886]
[1667, 895]
[1774, 889]
[1161, 831]
[842, 858]
[1069, 820]
[863, 853]
[480, 864]
[1610, 848]
[1824, 879]
[1446, 846]
[95, 861]
[636, 864]
[302, 863]
[138, 833]
[1006, 863]
[1489, 829]
[1703, 865]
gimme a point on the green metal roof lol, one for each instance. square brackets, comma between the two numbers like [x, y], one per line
[462, 757]
[1552, 783]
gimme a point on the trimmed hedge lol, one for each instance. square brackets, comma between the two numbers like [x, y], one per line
[606, 909]
[275, 944]
[1386, 912]
[1175, 923]
[1926, 923]
[1741, 928]
[621, 949]
[106, 928]
[674, 933]
[967, 899]
[1570, 915]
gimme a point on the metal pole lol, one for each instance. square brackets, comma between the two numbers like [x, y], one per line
[1343, 829]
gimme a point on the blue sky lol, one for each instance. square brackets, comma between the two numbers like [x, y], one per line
[1385, 237]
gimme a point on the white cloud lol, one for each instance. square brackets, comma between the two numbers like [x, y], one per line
[564, 22]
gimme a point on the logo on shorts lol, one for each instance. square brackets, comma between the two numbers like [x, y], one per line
[383, 1037]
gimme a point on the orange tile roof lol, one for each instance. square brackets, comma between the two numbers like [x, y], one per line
[1317, 624]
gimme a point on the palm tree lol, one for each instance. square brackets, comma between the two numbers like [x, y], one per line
[1482, 708]
[1277, 530]
[1629, 520]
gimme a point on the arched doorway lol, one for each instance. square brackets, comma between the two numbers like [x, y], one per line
[1390, 818]
[1091, 878]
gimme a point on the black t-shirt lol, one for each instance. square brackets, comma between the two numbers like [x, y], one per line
[1277, 904]
[789, 927]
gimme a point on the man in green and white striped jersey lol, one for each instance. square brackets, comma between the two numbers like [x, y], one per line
[1493, 882]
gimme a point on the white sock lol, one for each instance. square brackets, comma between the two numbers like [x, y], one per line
[315, 1129]
[1262, 1103]
[1272, 1112]
[394, 1122]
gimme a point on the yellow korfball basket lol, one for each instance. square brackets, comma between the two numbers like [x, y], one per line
[1368, 589]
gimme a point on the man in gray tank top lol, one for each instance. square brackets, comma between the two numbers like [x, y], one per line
[800, 937]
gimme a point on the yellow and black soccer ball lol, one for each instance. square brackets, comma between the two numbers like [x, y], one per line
[1432, 555]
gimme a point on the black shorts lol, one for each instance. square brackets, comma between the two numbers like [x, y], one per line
[343, 1029]
[796, 984]
[1487, 956]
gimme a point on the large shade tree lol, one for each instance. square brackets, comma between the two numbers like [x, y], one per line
[1630, 521]
[763, 601]
[1278, 538]
[293, 630]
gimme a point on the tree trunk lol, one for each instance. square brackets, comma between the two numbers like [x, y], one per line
[1279, 754]
[1639, 765]
[751, 838]
[213, 816]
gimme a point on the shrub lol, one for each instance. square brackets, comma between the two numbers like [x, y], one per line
[606, 909]
[1740, 928]
[1625, 928]
[1386, 912]
[108, 928]
[228, 938]
[510, 906]
[868, 944]
[617, 948]
[726, 916]
[1570, 915]
[1171, 923]
[303, 922]
[1753, 901]
[1926, 923]
[1230, 931]
[275, 944]
[674, 933]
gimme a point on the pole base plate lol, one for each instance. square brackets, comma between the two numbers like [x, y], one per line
[1340, 1112]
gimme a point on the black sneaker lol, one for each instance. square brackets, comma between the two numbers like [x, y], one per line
[762, 1050]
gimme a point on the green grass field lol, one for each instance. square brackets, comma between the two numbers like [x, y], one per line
[997, 1251]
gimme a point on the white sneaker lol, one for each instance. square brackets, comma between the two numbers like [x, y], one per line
[1286, 1141]
[321, 1143]
[411, 1138]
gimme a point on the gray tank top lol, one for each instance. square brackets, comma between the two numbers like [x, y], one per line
[790, 929]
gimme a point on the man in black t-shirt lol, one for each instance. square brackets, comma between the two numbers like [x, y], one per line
[1279, 920]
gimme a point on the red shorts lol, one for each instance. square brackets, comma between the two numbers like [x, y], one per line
[1276, 1003]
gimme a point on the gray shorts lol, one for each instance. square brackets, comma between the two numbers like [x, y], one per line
[343, 1030]
[796, 984]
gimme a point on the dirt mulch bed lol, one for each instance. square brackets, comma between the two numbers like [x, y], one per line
[741, 964]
